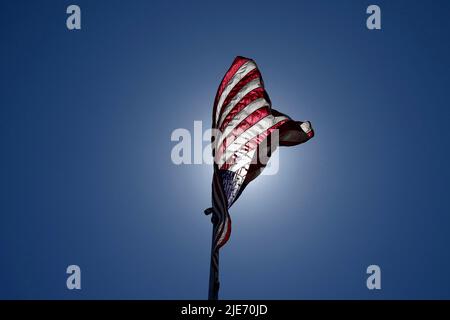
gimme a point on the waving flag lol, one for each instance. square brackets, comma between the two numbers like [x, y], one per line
[245, 122]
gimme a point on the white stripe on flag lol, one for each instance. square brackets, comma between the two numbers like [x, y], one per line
[258, 128]
[244, 113]
[244, 159]
[242, 72]
[256, 83]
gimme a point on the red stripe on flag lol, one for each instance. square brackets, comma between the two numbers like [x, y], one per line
[237, 63]
[227, 234]
[253, 143]
[243, 126]
[252, 75]
[246, 100]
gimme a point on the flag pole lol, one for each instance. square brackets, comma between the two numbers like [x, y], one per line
[214, 284]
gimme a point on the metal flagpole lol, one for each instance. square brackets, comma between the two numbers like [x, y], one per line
[213, 292]
[218, 213]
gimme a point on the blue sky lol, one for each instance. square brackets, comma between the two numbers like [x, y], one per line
[86, 175]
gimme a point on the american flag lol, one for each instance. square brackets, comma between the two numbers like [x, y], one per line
[244, 117]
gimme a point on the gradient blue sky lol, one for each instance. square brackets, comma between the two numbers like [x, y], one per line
[87, 179]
